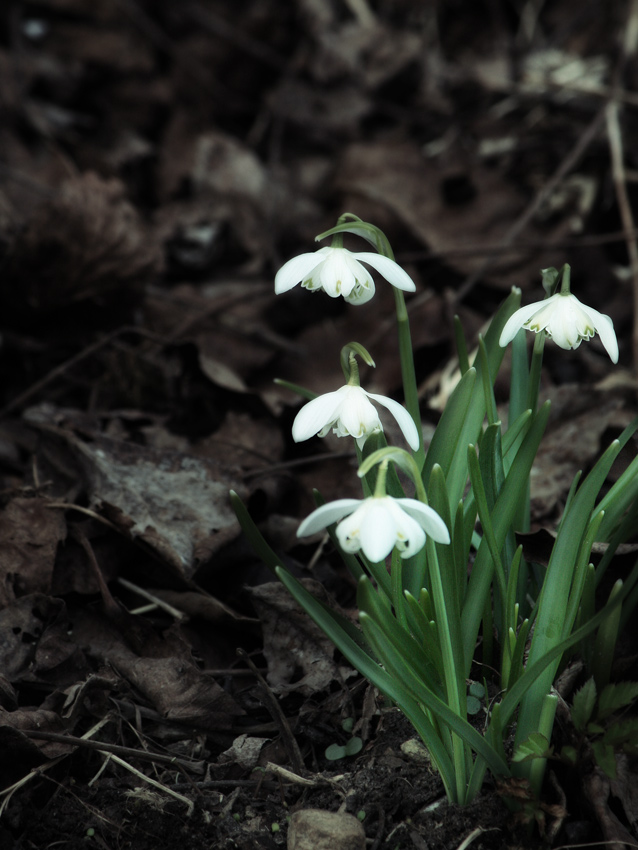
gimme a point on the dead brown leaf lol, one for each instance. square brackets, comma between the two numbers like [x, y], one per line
[36, 643]
[572, 441]
[399, 176]
[597, 791]
[175, 503]
[117, 48]
[29, 537]
[372, 54]
[205, 607]
[160, 666]
[300, 657]
[83, 255]
[625, 786]
[318, 111]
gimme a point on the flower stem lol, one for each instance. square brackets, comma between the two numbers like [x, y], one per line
[451, 655]
[382, 471]
[535, 370]
[353, 379]
[407, 371]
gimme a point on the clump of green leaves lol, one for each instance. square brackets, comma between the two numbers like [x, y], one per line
[422, 613]
[600, 732]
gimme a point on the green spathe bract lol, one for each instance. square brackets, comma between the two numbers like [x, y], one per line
[420, 619]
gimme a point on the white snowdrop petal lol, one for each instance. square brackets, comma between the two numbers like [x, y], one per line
[325, 515]
[515, 323]
[295, 270]
[336, 275]
[584, 319]
[361, 275]
[378, 530]
[561, 327]
[566, 320]
[544, 314]
[404, 420]
[349, 532]
[316, 415]
[361, 294]
[358, 416]
[414, 539]
[605, 328]
[427, 518]
[390, 270]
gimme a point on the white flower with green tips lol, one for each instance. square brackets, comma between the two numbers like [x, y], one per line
[349, 412]
[377, 524]
[340, 272]
[567, 320]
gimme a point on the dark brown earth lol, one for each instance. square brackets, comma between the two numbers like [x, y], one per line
[158, 162]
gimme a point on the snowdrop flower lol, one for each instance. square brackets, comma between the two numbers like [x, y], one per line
[566, 320]
[377, 524]
[339, 272]
[349, 411]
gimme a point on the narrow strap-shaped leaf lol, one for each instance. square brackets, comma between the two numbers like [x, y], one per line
[580, 574]
[518, 654]
[554, 597]
[461, 346]
[470, 427]
[485, 516]
[342, 636]
[296, 388]
[621, 495]
[439, 500]
[254, 535]
[533, 671]
[519, 378]
[463, 729]
[412, 652]
[518, 429]
[504, 510]
[461, 542]
[425, 631]
[512, 584]
[450, 427]
[490, 463]
[487, 381]
[623, 532]
[605, 643]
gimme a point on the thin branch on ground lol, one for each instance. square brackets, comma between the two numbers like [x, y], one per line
[274, 709]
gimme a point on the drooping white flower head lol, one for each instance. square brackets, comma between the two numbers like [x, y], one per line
[349, 411]
[377, 524]
[339, 272]
[566, 320]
